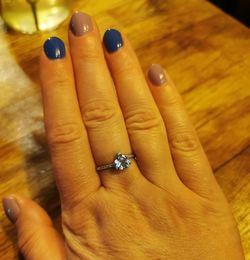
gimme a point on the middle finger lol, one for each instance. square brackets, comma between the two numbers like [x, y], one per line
[98, 101]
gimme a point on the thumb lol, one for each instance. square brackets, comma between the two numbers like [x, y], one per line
[37, 238]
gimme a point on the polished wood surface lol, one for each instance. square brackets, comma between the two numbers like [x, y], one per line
[206, 52]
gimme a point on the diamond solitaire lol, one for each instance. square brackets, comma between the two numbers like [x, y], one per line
[121, 162]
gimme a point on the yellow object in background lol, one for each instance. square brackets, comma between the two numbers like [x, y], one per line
[30, 16]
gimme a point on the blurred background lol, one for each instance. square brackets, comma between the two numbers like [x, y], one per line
[31, 16]
[240, 9]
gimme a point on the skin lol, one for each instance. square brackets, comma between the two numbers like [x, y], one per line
[167, 205]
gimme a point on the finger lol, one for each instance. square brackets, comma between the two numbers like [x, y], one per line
[189, 158]
[68, 141]
[143, 121]
[37, 238]
[99, 105]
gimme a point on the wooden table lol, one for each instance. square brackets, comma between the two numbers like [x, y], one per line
[206, 52]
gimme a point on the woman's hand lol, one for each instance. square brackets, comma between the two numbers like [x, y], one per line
[166, 205]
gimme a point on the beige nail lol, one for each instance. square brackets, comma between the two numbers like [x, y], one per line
[156, 75]
[80, 24]
[11, 208]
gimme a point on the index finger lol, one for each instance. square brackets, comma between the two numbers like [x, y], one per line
[67, 137]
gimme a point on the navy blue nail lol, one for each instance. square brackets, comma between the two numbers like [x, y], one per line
[112, 40]
[54, 48]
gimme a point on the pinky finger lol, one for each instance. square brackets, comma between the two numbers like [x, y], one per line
[189, 158]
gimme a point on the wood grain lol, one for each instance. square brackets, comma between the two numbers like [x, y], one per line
[206, 52]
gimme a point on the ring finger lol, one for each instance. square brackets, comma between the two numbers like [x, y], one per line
[144, 124]
[98, 101]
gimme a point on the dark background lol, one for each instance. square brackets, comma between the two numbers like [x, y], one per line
[240, 9]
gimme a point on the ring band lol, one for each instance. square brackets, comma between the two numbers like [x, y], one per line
[121, 162]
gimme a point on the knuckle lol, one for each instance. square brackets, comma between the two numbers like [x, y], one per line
[99, 112]
[128, 67]
[173, 101]
[65, 133]
[59, 80]
[184, 140]
[127, 70]
[89, 51]
[143, 118]
[92, 57]
[27, 242]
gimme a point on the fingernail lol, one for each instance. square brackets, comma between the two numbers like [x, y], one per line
[80, 24]
[54, 48]
[11, 208]
[112, 40]
[157, 75]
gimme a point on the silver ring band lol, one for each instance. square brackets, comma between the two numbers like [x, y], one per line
[120, 163]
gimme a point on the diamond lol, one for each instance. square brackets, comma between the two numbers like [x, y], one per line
[121, 162]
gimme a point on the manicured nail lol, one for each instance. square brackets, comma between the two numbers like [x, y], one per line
[54, 48]
[157, 75]
[112, 40]
[80, 24]
[11, 208]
